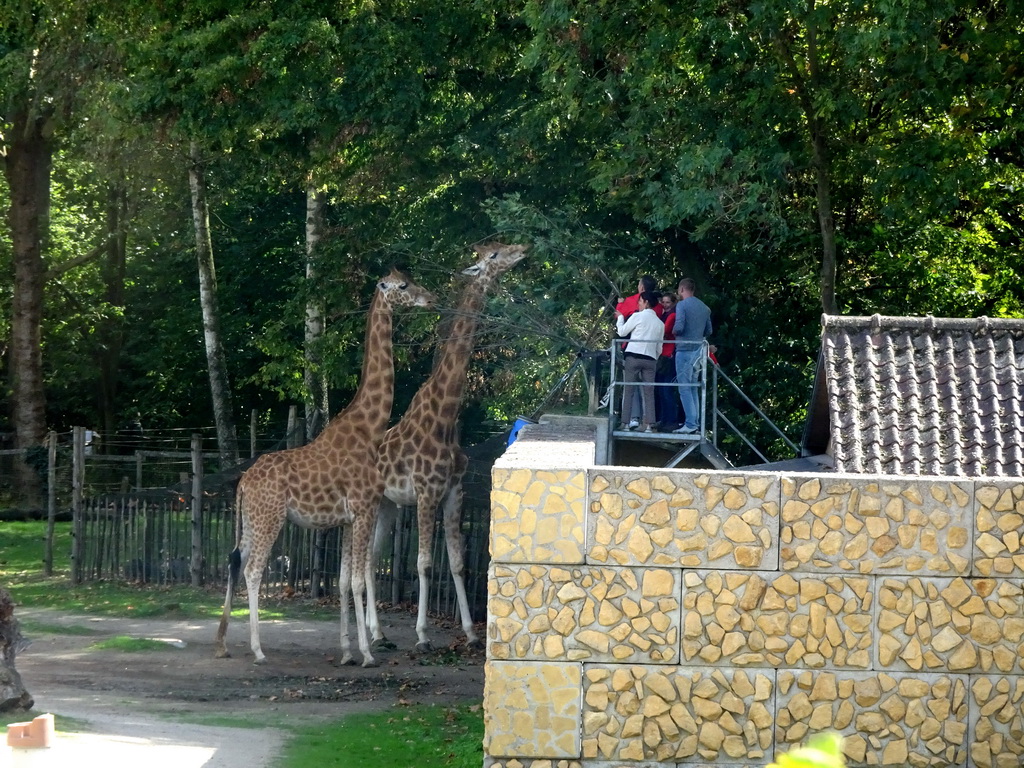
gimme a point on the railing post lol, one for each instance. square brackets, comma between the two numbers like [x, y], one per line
[77, 516]
[51, 500]
[196, 566]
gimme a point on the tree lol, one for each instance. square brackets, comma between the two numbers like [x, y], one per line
[45, 61]
[220, 388]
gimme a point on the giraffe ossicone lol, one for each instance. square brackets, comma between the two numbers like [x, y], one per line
[333, 481]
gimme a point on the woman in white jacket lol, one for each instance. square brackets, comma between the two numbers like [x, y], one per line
[646, 332]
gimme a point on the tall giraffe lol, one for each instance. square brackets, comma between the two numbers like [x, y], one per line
[421, 460]
[332, 481]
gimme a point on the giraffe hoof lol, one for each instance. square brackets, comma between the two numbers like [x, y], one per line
[476, 644]
[424, 647]
[346, 660]
[383, 645]
[260, 660]
[221, 653]
[370, 662]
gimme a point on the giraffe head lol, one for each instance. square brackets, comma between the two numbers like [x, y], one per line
[495, 259]
[398, 290]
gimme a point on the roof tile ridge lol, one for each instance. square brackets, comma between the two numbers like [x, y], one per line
[894, 428]
[948, 406]
[911, 432]
[973, 439]
[872, 433]
[931, 432]
[991, 405]
[842, 404]
[1014, 458]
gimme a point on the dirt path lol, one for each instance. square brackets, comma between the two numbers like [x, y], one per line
[135, 701]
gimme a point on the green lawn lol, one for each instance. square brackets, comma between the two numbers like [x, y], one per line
[414, 737]
[22, 546]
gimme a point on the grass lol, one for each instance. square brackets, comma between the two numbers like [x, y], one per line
[128, 644]
[417, 737]
[21, 572]
[31, 627]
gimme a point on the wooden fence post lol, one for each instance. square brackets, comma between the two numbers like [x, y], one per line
[252, 434]
[51, 500]
[197, 510]
[77, 515]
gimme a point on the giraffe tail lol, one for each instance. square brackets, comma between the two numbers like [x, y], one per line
[235, 558]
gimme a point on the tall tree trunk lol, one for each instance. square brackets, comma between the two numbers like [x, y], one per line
[826, 220]
[220, 390]
[317, 411]
[112, 328]
[27, 166]
[805, 82]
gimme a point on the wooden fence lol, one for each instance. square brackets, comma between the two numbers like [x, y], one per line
[147, 540]
[182, 531]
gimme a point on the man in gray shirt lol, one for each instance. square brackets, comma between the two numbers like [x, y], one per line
[693, 325]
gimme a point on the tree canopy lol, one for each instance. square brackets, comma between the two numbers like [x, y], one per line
[792, 157]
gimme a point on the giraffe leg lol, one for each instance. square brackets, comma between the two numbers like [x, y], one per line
[365, 516]
[234, 565]
[344, 586]
[253, 578]
[426, 503]
[387, 517]
[456, 559]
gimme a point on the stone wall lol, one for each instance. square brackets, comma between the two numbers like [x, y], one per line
[653, 617]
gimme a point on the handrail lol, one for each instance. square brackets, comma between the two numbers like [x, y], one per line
[716, 413]
[757, 410]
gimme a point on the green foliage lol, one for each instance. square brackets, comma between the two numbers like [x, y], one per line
[617, 141]
[420, 736]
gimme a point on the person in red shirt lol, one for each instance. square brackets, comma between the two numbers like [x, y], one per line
[627, 306]
[667, 401]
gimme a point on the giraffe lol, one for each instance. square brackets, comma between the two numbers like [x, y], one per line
[420, 458]
[332, 481]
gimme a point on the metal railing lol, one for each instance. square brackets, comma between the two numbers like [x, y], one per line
[707, 443]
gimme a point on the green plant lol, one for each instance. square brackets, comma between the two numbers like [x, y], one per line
[420, 737]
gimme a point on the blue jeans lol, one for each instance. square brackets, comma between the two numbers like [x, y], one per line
[687, 379]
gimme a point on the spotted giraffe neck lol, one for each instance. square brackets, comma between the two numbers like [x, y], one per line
[447, 380]
[373, 399]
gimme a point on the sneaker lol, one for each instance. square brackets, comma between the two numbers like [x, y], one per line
[684, 430]
[634, 424]
[650, 428]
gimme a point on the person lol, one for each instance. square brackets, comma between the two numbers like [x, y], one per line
[646, 333]
[628, 305]
[667, 397]
[693, 324]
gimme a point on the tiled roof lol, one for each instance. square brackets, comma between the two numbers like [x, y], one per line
[924, 395]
